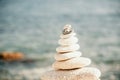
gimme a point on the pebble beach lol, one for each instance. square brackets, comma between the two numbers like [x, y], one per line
[33, 27]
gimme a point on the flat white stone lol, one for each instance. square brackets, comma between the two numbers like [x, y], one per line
[73, 63]
[65, 56]
[67, 36]
[68, 41]
[68, 48]
[87, 73]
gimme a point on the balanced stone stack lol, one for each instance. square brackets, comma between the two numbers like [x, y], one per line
[69, 64]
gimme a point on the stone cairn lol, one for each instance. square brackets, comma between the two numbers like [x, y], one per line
[69, 64]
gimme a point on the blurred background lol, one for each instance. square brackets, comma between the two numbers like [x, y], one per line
[33, 27]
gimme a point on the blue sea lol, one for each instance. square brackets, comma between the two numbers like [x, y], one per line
[33, 27]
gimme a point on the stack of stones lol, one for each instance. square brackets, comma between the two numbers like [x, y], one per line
[69, 64]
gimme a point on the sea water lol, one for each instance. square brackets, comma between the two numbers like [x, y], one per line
[33, 27]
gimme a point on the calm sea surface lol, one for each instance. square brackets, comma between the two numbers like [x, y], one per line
[33, 27]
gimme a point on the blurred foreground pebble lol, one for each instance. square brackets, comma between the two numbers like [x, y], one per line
[11, 56]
